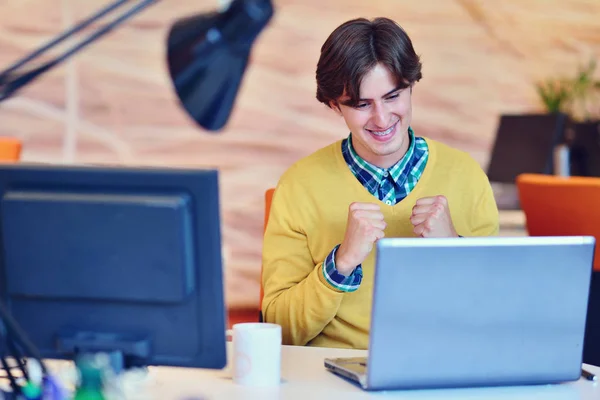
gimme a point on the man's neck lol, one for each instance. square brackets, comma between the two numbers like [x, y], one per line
[386, 161]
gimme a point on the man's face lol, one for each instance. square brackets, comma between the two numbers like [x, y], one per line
[379, 122]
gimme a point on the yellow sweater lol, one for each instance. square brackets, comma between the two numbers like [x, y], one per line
[308, 219]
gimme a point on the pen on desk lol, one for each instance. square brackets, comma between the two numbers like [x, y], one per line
[588, 375]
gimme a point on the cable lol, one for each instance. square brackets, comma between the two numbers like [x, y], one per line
[14, 332]
[19, 358]
[13, 382]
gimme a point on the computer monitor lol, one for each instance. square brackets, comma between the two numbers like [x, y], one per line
[114, 259]
[525, 143]
[585, 149]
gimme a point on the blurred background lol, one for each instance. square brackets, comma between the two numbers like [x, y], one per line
[505, 81]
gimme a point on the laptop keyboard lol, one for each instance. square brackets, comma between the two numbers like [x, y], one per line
[353, 360]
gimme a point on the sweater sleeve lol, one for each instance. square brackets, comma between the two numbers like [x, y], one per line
[296, 293]
[485, 220]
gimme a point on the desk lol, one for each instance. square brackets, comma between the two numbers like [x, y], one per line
[305, 378]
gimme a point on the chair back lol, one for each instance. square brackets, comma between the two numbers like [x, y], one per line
[10, 149]
[268, 200]
[557, 206]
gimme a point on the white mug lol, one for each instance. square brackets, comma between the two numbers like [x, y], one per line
[257, 354]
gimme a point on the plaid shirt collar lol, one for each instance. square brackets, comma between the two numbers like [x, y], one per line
[372, 176]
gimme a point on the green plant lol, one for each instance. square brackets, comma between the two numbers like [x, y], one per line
[554, 94]
[584, 91]
[574, 96]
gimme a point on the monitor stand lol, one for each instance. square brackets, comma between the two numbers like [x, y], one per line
[124, 350]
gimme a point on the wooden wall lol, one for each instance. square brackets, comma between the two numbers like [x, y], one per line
[114, 102]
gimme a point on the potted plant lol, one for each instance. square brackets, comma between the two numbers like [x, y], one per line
[529, 142]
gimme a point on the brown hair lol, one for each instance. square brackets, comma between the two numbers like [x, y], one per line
[354, 48]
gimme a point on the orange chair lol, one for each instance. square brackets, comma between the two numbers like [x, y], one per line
[568, 206]
[268, 200]
[10, 149]
[557, 206]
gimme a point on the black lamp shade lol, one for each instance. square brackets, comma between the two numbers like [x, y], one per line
[207, 55]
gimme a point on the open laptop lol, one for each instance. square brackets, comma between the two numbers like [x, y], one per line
[469, 312]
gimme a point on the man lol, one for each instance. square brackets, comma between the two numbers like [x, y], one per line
[331, 207]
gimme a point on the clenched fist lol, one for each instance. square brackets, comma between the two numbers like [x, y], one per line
[431, 218]
[365, 226]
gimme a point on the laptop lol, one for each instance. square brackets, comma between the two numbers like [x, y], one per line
[469, 312]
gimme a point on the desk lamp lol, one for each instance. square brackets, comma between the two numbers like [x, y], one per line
[207, 55]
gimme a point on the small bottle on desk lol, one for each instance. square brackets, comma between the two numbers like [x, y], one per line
[91, 380]
[562, 160]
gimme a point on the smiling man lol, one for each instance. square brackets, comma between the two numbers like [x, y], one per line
[382, 180]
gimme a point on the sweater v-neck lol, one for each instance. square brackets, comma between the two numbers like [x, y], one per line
[368, 197]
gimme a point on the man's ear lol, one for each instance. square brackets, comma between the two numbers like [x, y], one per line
[334, 105]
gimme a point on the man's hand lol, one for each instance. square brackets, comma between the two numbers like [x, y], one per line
[365, 226]
[431, 218]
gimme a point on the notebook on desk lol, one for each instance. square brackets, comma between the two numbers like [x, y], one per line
[472, 312]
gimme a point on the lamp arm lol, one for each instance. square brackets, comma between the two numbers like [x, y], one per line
[11, 80]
